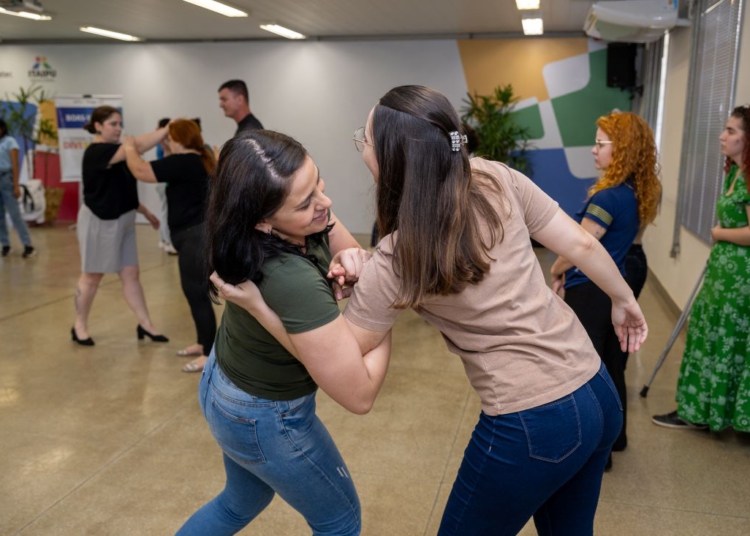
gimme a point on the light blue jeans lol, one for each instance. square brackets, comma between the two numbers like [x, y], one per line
[272, 447]
[10, 203]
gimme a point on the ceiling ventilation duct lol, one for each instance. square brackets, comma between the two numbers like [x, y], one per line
[632, 21]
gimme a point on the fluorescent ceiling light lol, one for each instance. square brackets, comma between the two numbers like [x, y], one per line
[527, 4]
[532, 26]
[25, 14]
[283, 32]
[107, 33]
[218, 7]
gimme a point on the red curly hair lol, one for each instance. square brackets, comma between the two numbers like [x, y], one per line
[743, 114]
[634, 158]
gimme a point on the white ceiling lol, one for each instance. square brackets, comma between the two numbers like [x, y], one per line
[176, 20]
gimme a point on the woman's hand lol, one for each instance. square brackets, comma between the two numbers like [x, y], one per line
[558, 285]
[345, 269]
[245, 295]
[153, 220]
[630, 325]
[17, 191]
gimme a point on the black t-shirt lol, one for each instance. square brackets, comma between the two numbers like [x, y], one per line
[187, 189]
[250, 122]
[109, 191]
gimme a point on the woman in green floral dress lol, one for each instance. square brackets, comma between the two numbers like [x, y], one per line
[713, 389]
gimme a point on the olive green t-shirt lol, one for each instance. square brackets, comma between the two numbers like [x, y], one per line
[298, 291]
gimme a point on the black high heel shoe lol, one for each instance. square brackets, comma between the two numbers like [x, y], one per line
[82, 342]
[156, 338]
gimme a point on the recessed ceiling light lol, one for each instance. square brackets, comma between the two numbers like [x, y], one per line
[527, 4]
[107, 33]
[218, 7]
[532, 26]
[283, 32]
[25, 14]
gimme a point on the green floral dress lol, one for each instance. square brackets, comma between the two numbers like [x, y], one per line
[714, 383]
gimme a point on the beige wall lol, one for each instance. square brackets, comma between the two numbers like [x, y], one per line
[490, 63]
[679, 275]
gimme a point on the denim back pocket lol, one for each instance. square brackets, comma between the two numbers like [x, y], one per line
[553, 431]
[235, 433]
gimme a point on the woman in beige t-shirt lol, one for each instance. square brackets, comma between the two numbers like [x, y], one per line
[456, 248]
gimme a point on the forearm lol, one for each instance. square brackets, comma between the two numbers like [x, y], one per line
[143, 210]
[560, 266]
[273, 325]
[739, 235]
[147, 141]
[376, 363]
[15, 170]
[140, 169]
[597, 264]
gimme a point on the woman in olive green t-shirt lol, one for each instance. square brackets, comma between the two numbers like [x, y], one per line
[269, 222]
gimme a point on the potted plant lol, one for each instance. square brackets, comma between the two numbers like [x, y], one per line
[22, 121]
[500, 138]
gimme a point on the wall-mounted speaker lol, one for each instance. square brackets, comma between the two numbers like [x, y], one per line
[621, 65]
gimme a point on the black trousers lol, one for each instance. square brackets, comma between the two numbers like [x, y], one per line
[190, 244]
[636, 269]
[594, 309]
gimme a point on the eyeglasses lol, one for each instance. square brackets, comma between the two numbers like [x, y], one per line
[599, 144]
[359, 139]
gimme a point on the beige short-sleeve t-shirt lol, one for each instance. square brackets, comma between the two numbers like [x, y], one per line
[520, 344]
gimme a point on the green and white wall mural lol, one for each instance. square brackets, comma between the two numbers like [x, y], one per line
[562, 97]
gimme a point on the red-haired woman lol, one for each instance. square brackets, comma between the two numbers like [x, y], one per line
[186, 171]
[622, 202]
[713, 389]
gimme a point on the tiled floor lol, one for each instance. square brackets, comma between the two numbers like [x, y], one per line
[109, 440]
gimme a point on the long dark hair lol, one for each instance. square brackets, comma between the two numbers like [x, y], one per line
[427, 193]
[252, 181]
[743, 114]
[3, 128]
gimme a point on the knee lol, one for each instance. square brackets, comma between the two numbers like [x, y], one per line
[130, 273]
[90, 280]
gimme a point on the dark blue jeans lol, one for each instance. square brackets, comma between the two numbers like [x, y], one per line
[546, 462]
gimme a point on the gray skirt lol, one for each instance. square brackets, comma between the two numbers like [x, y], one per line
[107, 246]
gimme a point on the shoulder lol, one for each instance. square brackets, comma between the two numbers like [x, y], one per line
[293, 270]
[9, 142]
[100, 150]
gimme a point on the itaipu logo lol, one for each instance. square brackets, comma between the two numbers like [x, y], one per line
[42, 70]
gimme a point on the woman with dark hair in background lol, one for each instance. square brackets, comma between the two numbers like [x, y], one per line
[186, 171]
[713, 389]
[10, 191]
[270, 222]
[619, 207]
[457, 249]
[106, 222]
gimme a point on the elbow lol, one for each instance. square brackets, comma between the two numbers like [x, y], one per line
[361, 407]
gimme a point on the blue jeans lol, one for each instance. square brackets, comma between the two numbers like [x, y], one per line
[272, 447]
[10, 203]
[546, 462]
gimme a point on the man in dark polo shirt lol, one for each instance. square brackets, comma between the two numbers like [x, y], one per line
[234, 100]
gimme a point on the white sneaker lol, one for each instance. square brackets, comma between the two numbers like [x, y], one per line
[162, 244]
[169, 248]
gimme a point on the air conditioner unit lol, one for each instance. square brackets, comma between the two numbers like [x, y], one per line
[631, 21]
